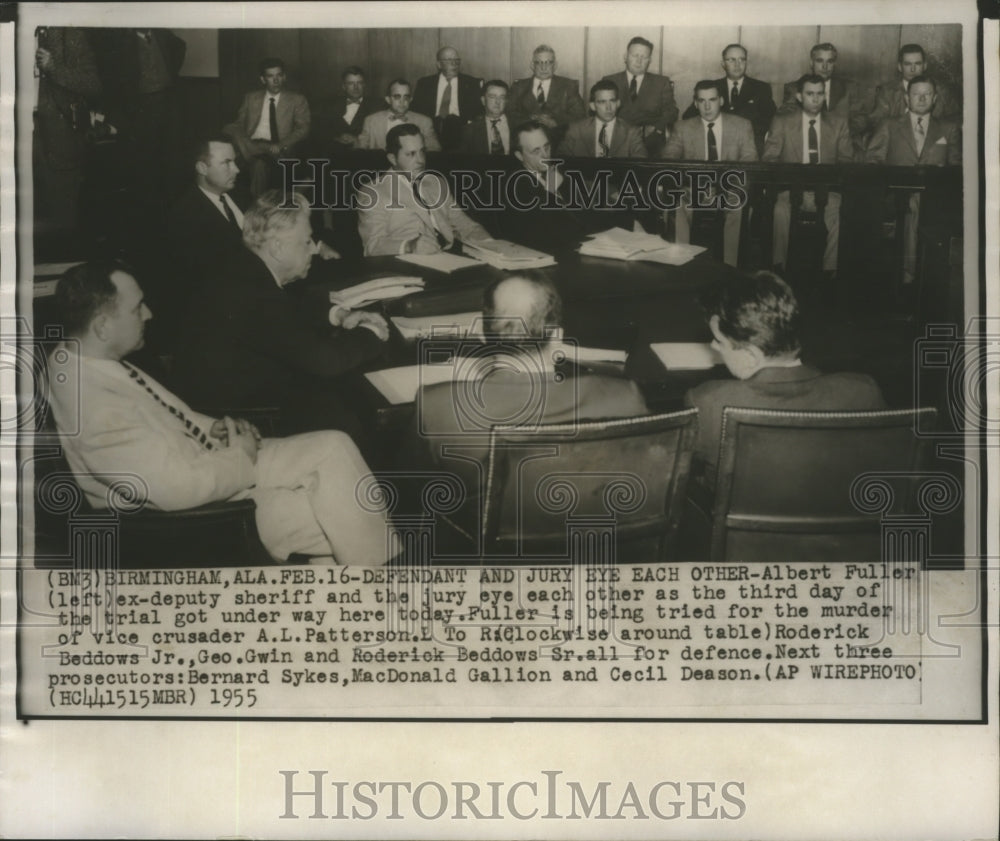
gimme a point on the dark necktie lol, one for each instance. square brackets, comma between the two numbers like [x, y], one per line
[445, 108]
[541, 95]
[229, 212]
[192, 429]
[713, 148]
[496, 142]
[273, 117]
[633, 90]
[734, 95]
[813, 143]
[602, 141]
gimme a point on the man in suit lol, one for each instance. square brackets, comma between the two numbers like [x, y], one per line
[377, 125]
[647, 98]
[340, 119]
[248, 342]
[603, 135]
[522, 316]
[891, 95]
[123, 422]
[408, 211]
[811, 136]
[450, 98]
[552, 100]
[489, 134]
[756, 324]
[916, 138]
[712, 136]
[742, 95]
[842, 96]
[270, 123]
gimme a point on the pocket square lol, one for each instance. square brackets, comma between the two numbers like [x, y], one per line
[942, 141]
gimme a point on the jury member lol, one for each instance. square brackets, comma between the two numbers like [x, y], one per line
[340, 119]
[489, 133]
[891, 100]
[603, 135]
[449, 98]
[552, 100]
[398, 113]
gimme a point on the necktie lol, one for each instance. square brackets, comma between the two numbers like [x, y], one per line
[734, 95]
[633, 90]
[920, 134]
[192, 429]
[273, 117]
[442, 240]
[496, 142]
[602, 141]
[541, 95]
[813, 143]
[229, 212]
[445, 107]
[713, 148]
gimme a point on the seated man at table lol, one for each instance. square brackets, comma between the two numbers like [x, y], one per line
[119, 421]
[756, 324]
[249, 342]
[516, 382]
[408, 211]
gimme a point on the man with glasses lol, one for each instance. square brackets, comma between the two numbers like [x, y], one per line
[449, 98]
[554, 101]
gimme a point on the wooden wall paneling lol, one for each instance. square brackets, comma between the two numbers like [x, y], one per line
[325, 54]
[778, 54]
[942, 44]
[400, 53]
[691, 54]
[485, 51]
[606, 52]
[568, 42]
[866, 54]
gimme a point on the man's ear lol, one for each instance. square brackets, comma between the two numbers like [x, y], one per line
[201, 168]
[99, 326]
[392, 159]
[518, 155]
[798, 96]
[388, 100]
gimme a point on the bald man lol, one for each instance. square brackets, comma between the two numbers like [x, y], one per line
[449, 98]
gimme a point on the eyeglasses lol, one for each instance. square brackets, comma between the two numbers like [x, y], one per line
[538, 63]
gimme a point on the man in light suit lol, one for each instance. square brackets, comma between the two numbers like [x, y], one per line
[522, 315]
[916, 138]
[448, 97]
[552, 100]
[340, 119]
[407, 211]
[712, 136]
[891, 95]
[377, 125]
[647, 98]
[125, 422]
[270, 123]
[742, 95]
[811, 136]
[756, 323]
[489, 134]
[604, 135]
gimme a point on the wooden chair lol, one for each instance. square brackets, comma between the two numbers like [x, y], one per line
[788, 482]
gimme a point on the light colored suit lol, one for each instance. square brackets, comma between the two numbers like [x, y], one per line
[376, 127]
[303, 486]
[390, 215]
[891, 102]
[581, 139]
[688, 143]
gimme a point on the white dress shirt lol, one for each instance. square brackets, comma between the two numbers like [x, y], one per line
[214, 199]
[545, 83]
[263, 130]
[351, 110]
[442, 84]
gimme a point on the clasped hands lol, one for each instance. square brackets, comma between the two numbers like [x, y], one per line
[348, 319]
[238, 432]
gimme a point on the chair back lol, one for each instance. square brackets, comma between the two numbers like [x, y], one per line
[785, 480]
[625, 478]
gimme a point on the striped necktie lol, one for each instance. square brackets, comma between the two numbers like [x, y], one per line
[191, 428]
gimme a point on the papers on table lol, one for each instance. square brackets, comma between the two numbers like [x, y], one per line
[619, 244]
[379, 289]
[428, 326]
[686, 356]
[503, 254]
[440, 262]
[576, 353]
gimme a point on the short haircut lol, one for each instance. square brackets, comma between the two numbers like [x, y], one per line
[353, 70]
[388, 88]
[639, 40]
[809, 79]
[270, 214]
[85, 291]
[728, 47]
[916, 80]
[267, 63]
[759, 310]
[708, 84]
[495, 83]
[911, 48]
[545, 312]
[543, 48]
[393, 140]
[825, 46]
[202, 149]
[524, 128]
[603, 85]
[437, 55]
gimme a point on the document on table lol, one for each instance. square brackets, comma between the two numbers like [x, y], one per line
[440, 262]
[686, 356]
[427, 326]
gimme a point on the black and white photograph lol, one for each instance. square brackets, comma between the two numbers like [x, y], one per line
[491, 419]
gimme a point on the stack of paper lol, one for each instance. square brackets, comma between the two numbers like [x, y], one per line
[379, 289]
[440, 262]
[619, 244]
[503, 254]
[428, 326]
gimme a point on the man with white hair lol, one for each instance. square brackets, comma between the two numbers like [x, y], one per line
[449, 98]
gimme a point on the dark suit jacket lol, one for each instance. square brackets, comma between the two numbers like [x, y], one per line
[626, 141]
[802, 387]
[199, 237]
[845, 101]
[248, 342]
[563, 104]
[894, 144]
[475, 139]
[891, 102]
[542, 221]
[654, 105]
[756, 104]
[784, 141]
[449, 130]
[328, 123]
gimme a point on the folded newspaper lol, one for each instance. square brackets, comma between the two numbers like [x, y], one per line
[619, 244]
[503, 254]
